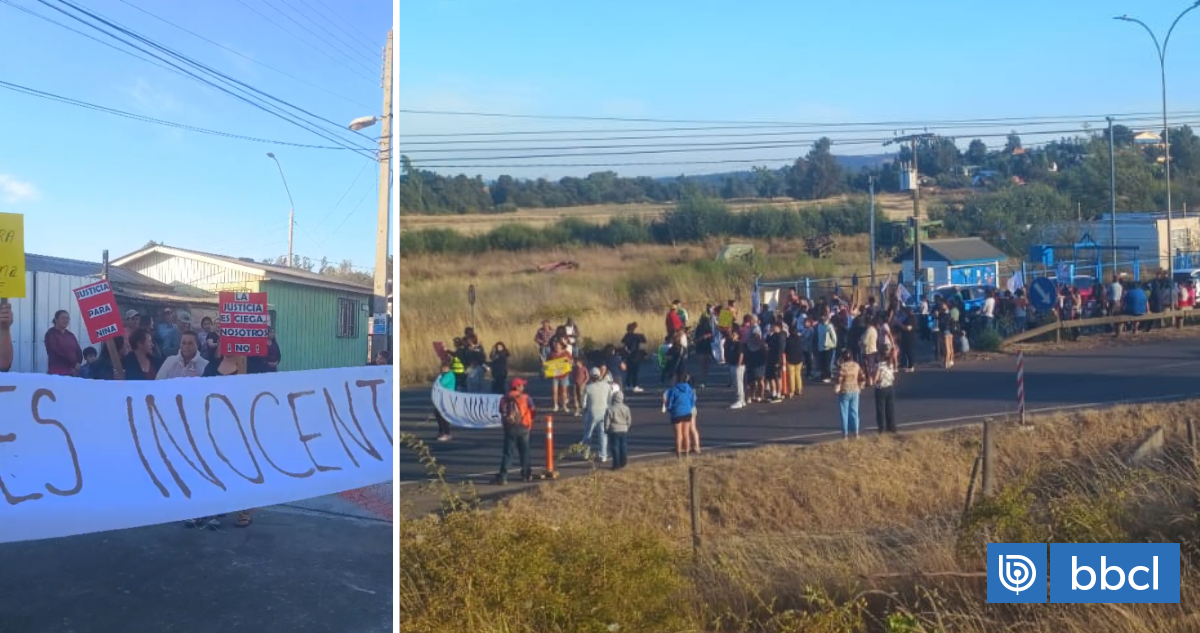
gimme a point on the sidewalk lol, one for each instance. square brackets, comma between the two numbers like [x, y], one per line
[315, 566]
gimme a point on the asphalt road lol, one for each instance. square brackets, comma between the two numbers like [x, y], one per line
[930, 397]
[293, 570]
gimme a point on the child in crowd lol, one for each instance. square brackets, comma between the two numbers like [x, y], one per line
[89, 357]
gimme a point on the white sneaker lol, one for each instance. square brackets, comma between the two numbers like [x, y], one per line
[638, 390]
[444, 438]
[738, 405]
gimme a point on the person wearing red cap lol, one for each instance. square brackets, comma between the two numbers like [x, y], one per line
[516, 415]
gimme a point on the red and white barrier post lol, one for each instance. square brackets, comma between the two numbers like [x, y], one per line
[550, 473]
[1021, 386]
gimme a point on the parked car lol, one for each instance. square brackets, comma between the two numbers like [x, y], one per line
[972, 296]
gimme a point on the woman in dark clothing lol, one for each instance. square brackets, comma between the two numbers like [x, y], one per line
[634, 355]
[499, 365]
[63, 354]
[140, 363]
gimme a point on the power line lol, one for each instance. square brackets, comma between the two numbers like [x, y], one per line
[349, 215]
[954, 131]
[239, 54]
[371, 57]
[743, 124]
[566, 152]
[322, 39]
[91, 37]
[334, 13]
[225, 78]
[339, 202]
[718, 121]
[310, 45]
[138, 117]
[334, 24]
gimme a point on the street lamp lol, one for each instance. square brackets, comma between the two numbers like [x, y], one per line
[1162, 67]
[292, 213]
[363, 122]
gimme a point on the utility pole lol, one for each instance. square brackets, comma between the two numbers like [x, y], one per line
[918, 276]
[292, 212]
[1112, 192]
[379, 341]
[871, 190]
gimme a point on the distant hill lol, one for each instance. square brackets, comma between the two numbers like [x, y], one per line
[852, 164]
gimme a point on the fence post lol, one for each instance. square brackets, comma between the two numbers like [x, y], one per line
[987, 457]
[971, 486]
[807, 289]
[694, 500]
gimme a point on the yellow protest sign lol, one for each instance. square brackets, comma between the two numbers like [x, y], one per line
[12, 256]
[556, 367]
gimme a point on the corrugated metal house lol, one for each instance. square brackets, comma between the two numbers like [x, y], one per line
[49, 282]
[958, 261]
[320, 322]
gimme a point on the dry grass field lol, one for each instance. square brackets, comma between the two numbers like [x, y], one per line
[844, 537]
[611, 287]
[893, 205]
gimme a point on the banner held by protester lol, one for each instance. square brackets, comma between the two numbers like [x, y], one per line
[467, 410]
[81, 456]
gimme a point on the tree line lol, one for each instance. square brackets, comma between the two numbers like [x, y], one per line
[695, 218]
[1076, 167]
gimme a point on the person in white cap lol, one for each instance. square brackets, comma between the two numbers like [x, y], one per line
[596, 397]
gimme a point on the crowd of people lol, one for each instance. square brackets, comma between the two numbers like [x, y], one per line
[768, 355]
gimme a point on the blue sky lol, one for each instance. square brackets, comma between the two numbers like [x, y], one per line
[87, 181]
[802, 61]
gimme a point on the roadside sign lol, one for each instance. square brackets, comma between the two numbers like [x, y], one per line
[378, 324]
[1042, 293]
[471, 294]
[244, 321]
[98, 306]
[12, 256]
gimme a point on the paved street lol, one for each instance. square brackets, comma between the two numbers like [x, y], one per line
[930, 397]
[315, 566]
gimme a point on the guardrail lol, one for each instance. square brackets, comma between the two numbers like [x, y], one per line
[1057, 327]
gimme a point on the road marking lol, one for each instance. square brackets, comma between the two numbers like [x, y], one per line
[961, 418]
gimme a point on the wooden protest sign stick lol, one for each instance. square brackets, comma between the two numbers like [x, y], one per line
[114, 355]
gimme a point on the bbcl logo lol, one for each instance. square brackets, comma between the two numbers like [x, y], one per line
[1113, 573]
[1017, 573]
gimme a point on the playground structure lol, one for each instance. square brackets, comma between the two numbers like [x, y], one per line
[1086, 260]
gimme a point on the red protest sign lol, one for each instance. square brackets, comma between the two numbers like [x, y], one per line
[243, 323]
[100, 314]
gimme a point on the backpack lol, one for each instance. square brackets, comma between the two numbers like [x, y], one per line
[510, 413]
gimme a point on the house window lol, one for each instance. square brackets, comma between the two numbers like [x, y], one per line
[348, 317]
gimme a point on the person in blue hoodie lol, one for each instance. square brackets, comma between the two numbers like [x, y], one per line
[679, 402]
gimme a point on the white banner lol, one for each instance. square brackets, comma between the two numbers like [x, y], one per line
[469, 410]
[80, 456]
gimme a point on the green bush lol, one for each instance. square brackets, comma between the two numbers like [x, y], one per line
[486, 571]
[987, 341]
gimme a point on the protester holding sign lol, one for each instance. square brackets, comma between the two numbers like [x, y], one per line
[63, 354]
[219, 364]
[6, 346]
